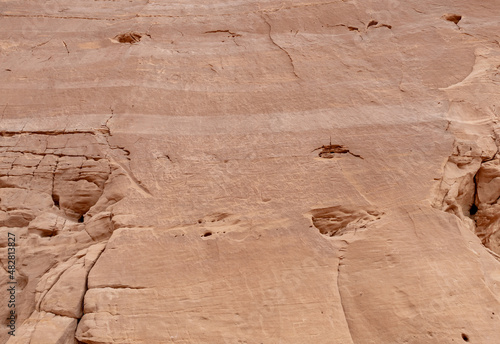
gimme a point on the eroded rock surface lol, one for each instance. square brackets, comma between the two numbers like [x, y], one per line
[51, 188]
[487, 205]
[160, 170]
[339, 220]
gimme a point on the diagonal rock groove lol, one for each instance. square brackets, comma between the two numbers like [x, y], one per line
[279, 46]
[342, 251]
[106, 134]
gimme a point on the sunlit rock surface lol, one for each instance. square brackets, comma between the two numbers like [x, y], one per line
[250, 171]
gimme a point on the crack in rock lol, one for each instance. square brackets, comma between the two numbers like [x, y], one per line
[331, 151]
[279, 46]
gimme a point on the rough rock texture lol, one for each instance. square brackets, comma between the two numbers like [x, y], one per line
[251, 172]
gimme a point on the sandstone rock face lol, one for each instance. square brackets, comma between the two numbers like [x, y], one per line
[250, 172]
[45, 328]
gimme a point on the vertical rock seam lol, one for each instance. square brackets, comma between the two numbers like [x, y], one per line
[340, 293]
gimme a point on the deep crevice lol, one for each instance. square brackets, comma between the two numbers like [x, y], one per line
[480, 207]
[473, 210]
[55, 199]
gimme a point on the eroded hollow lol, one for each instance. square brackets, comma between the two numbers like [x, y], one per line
[465, 337]
[338, 220]
[455, 18]
[129, 37]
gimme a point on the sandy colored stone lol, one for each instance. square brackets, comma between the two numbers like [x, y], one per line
[51, 267]
[100, 226]
[20, 199]
[46, 328]
[78, 184]
[379, 278]
[488, 180]
[46, 224]
[252, 172]
[248, 308]
[16, 218]
[65, 296]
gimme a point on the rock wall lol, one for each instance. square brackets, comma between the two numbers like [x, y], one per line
[250, 172]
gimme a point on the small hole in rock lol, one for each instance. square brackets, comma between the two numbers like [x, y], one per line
[48, 234]
[455, 18]
[372, 22]
[207, 234]
[81, 219]
[55, 199]
[129, 37]
[465, 337]
[473, 210]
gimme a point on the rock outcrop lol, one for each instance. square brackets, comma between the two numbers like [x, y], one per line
[161, 181]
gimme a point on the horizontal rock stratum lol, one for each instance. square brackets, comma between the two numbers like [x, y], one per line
[256, 172]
